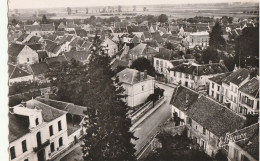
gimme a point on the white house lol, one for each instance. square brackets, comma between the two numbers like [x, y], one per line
[138, 85]
[198, 38]
[248, 102]
[17, 74]
[110, 47]
[230, 87]
[206, 120]
[196, 76]
[23, 54]
[36, 132]
[246, 149]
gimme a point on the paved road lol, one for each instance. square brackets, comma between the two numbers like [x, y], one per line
[148, 127]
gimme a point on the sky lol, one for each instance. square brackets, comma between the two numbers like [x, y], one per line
[23, 4]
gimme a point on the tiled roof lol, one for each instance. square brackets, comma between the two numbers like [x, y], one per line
[42, 27]
[22, 37]
[131, 29]
[167, 54]
[138, 50]
[219, 78]
[34, 40]
[251, 144]
[64, 106]
[39, 68]
[147, 35]
[237, 76]
[49, 113]
[56, 59]
[52, 46]
[174, 39]
[211, 115]
[251, 87]
[16, 72]
[18, 126]
[204, 69]
[157, 37]
[42, 54]
[116, 63]
[81, 33]
[15, 49]
[80, 56]
[35, 46]
[132, 76]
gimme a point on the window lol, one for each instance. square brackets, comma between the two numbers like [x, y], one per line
[231, 97]
[28, 59]
[186, 84]
[157, 62]
[212, 85]
[218, 88]
[52, 147]
[26, 159]
[218, 97]
[235, 154]
[142, 87]
[235, 89]
[174, 74]
[60, 142]
[51, 130]
[37, 121]
[231, 88]
[204, 131]
[59, 125]
[24, 146]
[180, 75]
[212, 94]
[235, 99]
[187, 76]
[12, 152]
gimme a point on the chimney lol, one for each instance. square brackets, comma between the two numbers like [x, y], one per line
[23, 103]
[221, 62]
[138, 75]
[145, 74]
[130, 62]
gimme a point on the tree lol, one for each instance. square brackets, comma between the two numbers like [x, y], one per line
[44, 20]
[247, 47]
[69, 10]
[169, 46]
[119, 8]
[14, 21]
[210, 54]
[163, 18]
[107, 126]
[142, 64]
[134, 8]
[216, 39]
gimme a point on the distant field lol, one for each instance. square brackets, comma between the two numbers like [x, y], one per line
[173, 11]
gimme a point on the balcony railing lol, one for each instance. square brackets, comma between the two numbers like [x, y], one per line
[43, 145]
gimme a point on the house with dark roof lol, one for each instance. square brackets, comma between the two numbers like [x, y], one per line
[24, 54]
[248, 102]
[37, 131]
[230, 86]
[215, 86]
[206, 120]
[198, 39]
[138, 86]
[38, 71]
[246, 149]
[23, 38]
[40, 29]
[17, 74]
[80, 56]
[53, 49]
[196, 76]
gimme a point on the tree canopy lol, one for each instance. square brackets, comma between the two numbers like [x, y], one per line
[142, 64]
[216, 39]
[107, 126]
[163, 18]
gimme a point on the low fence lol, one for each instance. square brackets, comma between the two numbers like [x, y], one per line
[140, 112]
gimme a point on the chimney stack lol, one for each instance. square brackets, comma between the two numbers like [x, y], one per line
[145, 74]
[138, 75]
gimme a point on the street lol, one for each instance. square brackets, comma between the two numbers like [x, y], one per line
[150, 125]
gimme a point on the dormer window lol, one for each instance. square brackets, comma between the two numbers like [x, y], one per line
[36, 121]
